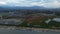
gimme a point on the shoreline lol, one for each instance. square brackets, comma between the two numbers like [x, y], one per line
[29, 29]
[39, 29]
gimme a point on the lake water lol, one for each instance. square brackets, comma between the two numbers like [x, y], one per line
[6, 31]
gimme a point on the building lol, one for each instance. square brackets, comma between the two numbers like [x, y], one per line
[10, 21]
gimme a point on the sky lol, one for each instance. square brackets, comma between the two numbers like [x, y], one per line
[29, 3]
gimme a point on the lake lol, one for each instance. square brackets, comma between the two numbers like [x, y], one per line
[8, 31]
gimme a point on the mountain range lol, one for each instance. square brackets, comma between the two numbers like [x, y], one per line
[27, 8]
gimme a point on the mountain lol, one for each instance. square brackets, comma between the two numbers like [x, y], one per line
[17, 7]
[41, 8]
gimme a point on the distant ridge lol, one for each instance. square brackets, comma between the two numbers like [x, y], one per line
[18, 7]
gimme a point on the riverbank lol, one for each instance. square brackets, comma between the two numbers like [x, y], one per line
[28, 28]
[38, 29]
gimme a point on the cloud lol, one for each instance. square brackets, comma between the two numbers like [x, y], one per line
[2, 3]
[44, 3]
[47, 4]
[54, 4]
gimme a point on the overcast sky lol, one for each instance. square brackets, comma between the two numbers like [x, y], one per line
[28, 3]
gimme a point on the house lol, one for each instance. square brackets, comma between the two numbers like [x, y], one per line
[10, 21]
